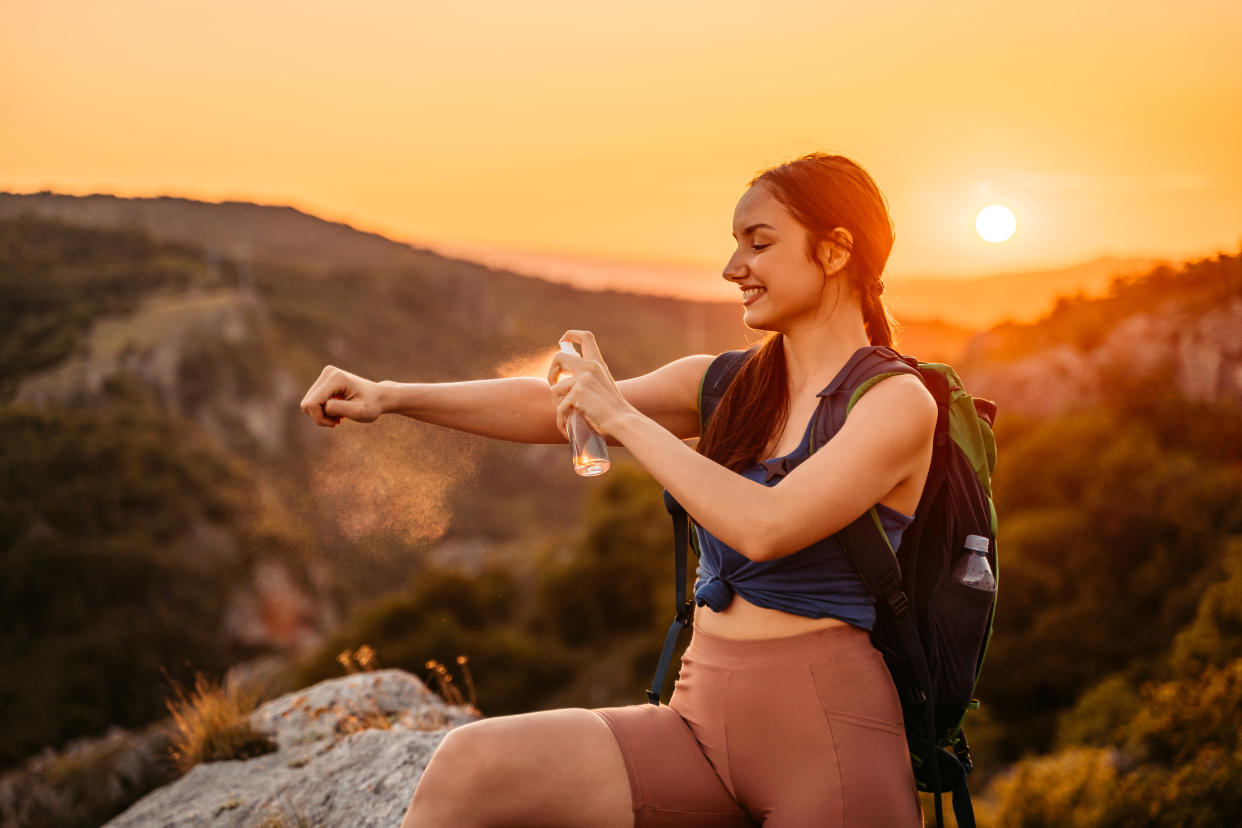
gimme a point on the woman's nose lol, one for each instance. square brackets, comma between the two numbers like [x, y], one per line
[733, 269]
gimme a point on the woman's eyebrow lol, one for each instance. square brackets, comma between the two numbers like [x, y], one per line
[753, 228]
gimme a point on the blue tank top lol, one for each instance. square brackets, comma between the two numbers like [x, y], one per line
[817, 581]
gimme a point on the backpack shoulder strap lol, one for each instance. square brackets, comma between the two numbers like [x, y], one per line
[866, 368]
[716, 381]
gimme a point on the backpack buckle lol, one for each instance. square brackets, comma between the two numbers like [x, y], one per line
[899, 603]
[685, 613]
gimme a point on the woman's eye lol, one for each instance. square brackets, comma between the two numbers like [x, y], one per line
[759, 246]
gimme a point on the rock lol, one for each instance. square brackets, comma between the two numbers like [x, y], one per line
[349, 752]
[1200, 353]
[88, 780]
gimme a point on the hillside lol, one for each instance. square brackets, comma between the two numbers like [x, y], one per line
[246, 233]
[1020, 297]
[165, 505]
[1178, 326]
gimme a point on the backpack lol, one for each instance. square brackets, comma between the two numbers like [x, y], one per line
[932, 631]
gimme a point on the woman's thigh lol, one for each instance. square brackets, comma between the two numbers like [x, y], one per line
[806, 729]
[672, 781]
[547, 768]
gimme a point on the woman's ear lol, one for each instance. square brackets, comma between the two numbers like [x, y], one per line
[836, 250]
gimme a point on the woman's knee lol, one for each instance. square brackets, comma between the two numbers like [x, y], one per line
[533, 769]
[467, 752]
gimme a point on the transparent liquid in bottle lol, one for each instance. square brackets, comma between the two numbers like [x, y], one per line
[590, 450]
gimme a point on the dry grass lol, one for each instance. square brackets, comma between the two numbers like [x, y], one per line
[212, 723]
[448, 691]
[361, 660]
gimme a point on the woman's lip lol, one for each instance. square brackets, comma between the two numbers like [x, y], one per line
[746, 300]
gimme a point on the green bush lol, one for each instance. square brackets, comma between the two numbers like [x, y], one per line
[617, 583]
[97, 593]
[1214, 637]
[1111, 530]
[1177, 760]
[56, 279]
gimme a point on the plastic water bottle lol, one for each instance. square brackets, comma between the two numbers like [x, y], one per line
[590, 451]
[973, 569]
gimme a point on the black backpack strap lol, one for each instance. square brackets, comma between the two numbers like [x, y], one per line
[866, 364]
[716, 381]
[867, 548]
[685, 607]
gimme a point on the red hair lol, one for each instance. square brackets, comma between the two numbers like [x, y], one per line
[822, 192]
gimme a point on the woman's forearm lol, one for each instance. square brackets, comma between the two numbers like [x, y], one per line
[739, 511]
[519, 409]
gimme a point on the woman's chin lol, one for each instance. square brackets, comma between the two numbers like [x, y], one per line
[756, 321]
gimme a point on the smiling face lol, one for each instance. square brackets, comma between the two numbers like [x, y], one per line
[781, 286]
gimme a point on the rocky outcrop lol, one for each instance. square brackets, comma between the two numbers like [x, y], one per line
[201, 353]
[349, 752]
[87, 781]
[1200, 353]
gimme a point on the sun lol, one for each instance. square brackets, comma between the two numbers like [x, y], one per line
[995, 223]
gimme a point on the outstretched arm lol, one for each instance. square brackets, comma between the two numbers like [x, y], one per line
[520, 409]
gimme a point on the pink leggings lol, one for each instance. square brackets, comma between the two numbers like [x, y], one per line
[791, 732]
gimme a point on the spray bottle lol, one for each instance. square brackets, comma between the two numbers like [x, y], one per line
[590, 451]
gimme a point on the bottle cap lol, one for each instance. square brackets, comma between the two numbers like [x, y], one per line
[977, 543]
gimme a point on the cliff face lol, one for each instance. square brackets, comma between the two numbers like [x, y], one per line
[198, 352]
[203, 355]
[1200, 352]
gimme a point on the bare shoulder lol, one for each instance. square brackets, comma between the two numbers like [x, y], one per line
[903, 386]
[901, 404]
[670, 394]
[885, 442]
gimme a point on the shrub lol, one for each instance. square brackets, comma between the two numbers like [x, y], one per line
[213, 723]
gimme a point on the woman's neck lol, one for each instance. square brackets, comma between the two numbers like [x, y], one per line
[814, 354]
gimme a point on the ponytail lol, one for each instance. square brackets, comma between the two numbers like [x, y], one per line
[754, 407]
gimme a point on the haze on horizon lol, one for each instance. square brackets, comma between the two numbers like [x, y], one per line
[616, 138]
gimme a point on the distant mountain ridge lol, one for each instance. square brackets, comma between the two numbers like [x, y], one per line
[1022, 296]
[238, 229]
[245, 232]
[286, 234]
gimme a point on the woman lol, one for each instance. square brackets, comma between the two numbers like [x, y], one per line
[783, 714]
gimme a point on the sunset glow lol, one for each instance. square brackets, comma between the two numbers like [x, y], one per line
[625, 133]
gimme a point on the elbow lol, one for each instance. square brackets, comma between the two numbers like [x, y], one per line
[766, 541]
[769, 548]
[774, 533]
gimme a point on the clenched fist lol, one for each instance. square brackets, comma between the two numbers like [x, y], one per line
[338, 394]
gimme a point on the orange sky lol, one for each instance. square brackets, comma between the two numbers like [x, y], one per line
[627, 130]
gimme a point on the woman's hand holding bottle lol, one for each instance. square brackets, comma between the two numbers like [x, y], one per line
[338, 395]
[583, 383]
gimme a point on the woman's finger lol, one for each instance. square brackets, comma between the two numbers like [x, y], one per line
[555, 370]
[591, 355]
[564, 365]
[315, 394]
[562, 415]
[313, 405]
[586, 341]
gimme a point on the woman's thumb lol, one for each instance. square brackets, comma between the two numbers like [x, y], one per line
[337, 407]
